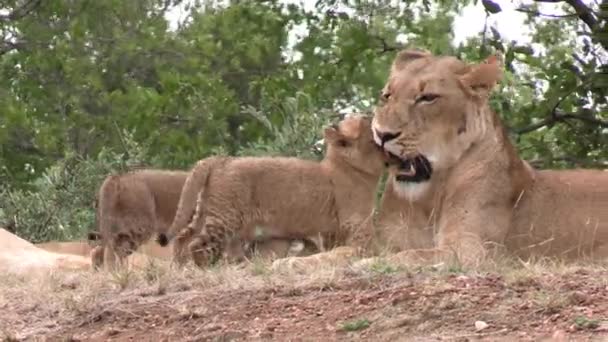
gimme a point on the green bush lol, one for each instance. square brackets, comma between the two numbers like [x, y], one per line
[298, 134]
[59, 204]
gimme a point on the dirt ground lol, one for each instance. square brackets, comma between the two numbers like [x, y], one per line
[530, 302]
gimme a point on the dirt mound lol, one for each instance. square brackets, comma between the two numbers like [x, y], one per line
[422, 307]
[531, 302]
[22, 257]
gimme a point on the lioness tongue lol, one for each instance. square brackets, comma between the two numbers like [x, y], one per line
[407, 168]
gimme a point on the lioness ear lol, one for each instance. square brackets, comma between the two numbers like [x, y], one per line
[482, 78]
[406, 56]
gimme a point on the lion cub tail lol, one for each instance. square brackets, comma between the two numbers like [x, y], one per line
[195, 183]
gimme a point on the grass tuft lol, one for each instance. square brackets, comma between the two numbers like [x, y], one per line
[356, 325]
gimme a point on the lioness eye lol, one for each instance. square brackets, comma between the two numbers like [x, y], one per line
[427, 98]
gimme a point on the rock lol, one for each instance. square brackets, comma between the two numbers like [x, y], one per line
[480, 325]
[559, 336]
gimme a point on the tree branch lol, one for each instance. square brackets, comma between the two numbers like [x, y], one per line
[6, 47]
[560, 116]
[386, 47]
[482, 46]
[21, 11]
[584, 13]
[539, 14]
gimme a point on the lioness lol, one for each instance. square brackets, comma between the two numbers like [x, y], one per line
[289, 197]
[134, 206]
[456, 183]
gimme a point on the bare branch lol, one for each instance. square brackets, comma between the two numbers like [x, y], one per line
[8, 46]
[165, 7]
[21, 11]
[482, 46]
[386, 47]
[585, 117]
[557, 115]
[533, 127]
[584, 13]
[539, 14]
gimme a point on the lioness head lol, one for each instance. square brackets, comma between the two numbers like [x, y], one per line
[431, 110]
[351, 141]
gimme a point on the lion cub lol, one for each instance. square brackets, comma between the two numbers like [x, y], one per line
[132, 207]
[290, 197]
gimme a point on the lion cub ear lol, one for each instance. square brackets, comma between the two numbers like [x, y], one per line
[332, 134]
[406, 56]
[351, 127]
[482, 78]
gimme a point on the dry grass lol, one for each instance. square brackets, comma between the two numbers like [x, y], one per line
[43, 304]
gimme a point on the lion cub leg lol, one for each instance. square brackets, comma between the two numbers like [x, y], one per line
[185, 236]
[122, 244]
[208, 246]
[117, 250]
[180, 244]
[97, 255]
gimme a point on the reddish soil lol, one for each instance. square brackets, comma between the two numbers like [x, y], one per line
[384, 307]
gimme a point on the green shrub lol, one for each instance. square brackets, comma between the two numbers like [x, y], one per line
[59, 205]
[298, 134]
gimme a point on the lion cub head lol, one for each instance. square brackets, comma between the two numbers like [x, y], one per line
[431, 110]
[351, 142]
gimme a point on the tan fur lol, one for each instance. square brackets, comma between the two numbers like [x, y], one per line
[480, 194]
[96, 254]
[289, 197]
[66, 247]
[18, 256]
[83, 248]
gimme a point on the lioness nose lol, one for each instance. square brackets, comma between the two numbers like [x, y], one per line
[386, 136]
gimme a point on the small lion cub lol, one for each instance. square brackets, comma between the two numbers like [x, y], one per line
[292, 198]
